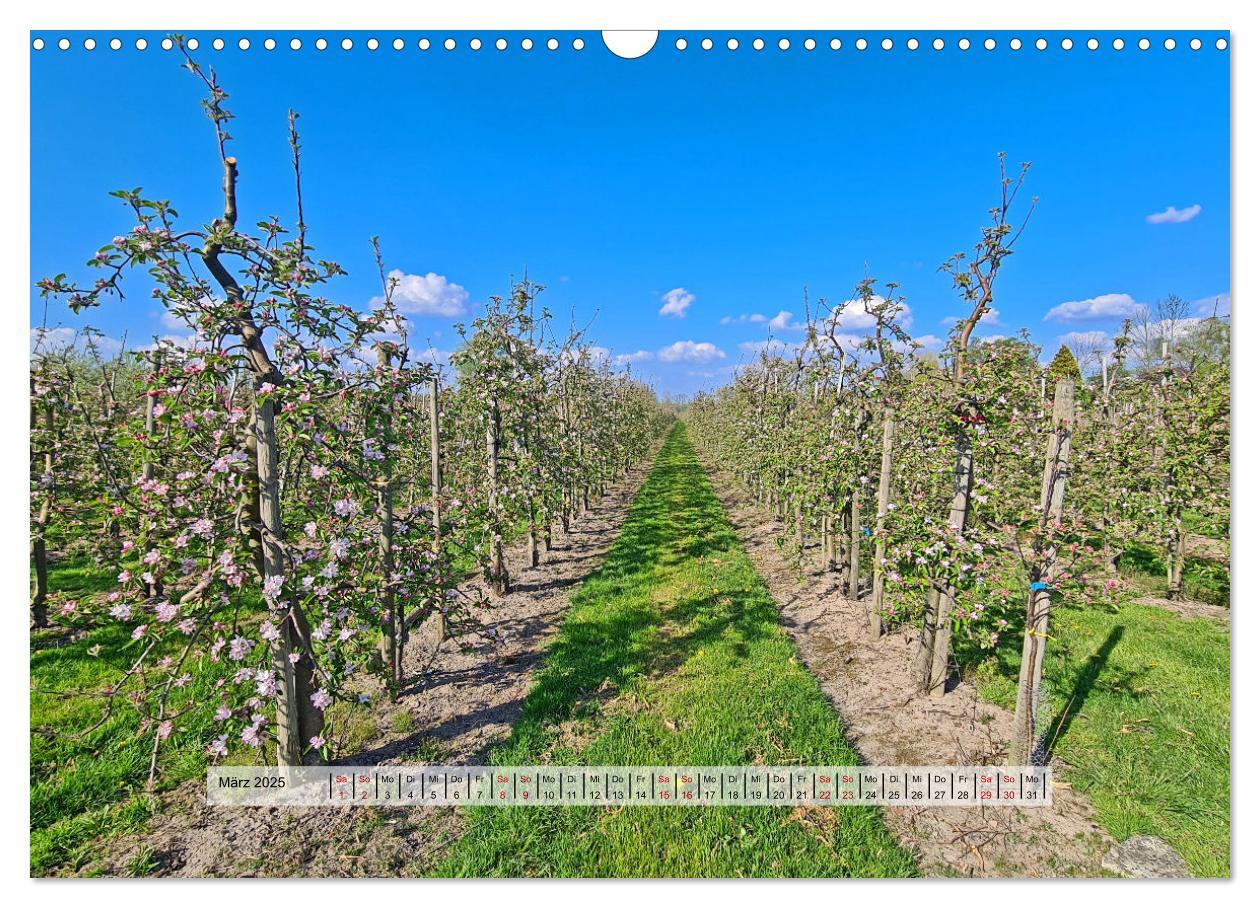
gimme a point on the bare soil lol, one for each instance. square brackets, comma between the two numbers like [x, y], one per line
[1187, 608]
[890, 722]
[469, 694]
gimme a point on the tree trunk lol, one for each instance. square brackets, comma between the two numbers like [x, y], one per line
[39, 545]
[1024, 741]
[498, 567]
[297, 719]
[533, 542]
[435, 483]
[800, 525]
[1176, 561]
[960, 506]
[927, 638]
[878, 570]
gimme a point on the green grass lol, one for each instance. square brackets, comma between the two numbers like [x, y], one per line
[88, 782]
[1140, 702]
[1203, 579]
[672, 654]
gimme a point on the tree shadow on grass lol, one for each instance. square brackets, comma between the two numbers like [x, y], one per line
[1086, 680]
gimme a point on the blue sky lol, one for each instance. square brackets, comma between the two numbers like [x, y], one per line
[667, 196]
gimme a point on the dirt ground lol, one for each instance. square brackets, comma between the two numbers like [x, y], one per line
[1188, 608]
[470, 696]
[890, 723]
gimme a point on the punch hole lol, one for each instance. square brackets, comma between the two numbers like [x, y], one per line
[784, 44]
[630, 45]
[38, 44]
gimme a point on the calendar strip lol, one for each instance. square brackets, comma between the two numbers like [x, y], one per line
[655, 786]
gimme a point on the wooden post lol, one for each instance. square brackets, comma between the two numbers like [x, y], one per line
[878, 572]
[1024, 741]
[394, 632]
[435, 483]
[855, 543]
[297, 719]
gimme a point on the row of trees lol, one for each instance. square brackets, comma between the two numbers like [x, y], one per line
[968, 492]
[285, 494]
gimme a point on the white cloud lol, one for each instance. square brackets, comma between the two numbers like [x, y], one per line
[1109, 305]
[426, 294]
[637, 356]
[930, 342]
[753, 318]
[1173, 215]
[1089, 340]
[676, 302]
[852, 315]
[772, 346]
[1218, 305]
[783, 322]
[688, 351]
[58, 340]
